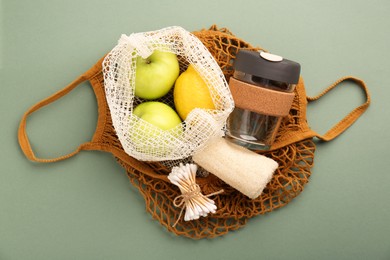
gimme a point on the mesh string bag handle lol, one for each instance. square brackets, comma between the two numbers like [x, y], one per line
[294, 150]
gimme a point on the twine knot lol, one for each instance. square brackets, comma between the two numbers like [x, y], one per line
[193, 192]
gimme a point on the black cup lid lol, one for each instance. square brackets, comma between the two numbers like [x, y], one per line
[268, 66]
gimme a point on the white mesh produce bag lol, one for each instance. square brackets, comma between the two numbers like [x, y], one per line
[200, 125]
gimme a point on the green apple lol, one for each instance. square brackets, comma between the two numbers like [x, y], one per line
[155, 75]
[161, 129]
[158, 114]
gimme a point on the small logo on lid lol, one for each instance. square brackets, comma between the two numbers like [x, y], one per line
[270, 56]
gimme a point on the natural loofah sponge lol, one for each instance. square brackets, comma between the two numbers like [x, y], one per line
[244, 170]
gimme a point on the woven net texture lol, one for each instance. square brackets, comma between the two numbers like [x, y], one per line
[234, 209]
[119, 69]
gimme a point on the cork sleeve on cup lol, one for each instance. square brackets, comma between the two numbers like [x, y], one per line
[260, 100]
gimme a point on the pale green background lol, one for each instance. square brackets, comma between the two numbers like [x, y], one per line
[85, 208]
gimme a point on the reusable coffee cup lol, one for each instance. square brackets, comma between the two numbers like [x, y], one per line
[262, 87]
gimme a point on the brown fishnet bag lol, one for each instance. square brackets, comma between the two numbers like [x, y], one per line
[293, 150]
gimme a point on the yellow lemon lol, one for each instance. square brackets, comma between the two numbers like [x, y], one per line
[191, 92]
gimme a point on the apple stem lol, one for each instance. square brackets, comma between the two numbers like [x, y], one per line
[191, 200]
